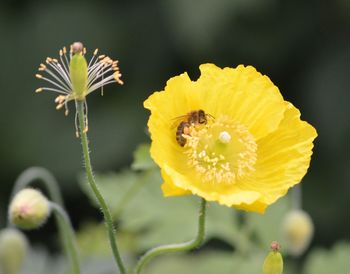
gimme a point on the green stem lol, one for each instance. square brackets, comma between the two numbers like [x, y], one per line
[196, 242]
[38, 173]
[296, 194]
[69, 236]
[105, 210]
[29, 176]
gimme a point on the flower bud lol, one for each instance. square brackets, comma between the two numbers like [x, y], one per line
[29, 209]
[298, 231]
[13, 250]
[273, 263]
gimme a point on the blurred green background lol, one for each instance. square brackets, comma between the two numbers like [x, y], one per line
[303, 46]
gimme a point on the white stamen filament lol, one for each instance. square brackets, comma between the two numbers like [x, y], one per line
[59, 70]
[66, 59]
[99, 74]
[94, 71]
[92, 66]
[102, 83]
[93, 58]
[63, 63]
[55, 84]
[55, 90]
[101, 71]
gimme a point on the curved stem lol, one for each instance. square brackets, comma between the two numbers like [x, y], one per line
[101, 201]
[32, 174]
[39, 173]
[296, 197]
[196, 242]
[68, 235]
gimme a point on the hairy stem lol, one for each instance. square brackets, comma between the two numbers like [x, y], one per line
[91, 180]
[68, 235]
[196, 242]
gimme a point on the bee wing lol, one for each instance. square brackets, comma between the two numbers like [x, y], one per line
[177, 120]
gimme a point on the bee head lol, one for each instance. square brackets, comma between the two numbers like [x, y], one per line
[202, 117]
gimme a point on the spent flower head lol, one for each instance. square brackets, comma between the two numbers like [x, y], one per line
[73, 77]
[228, 137]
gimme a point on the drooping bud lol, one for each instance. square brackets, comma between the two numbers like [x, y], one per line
[273, 263]
[13, 250]
[29, 209]
[78, 70]
[298, 230]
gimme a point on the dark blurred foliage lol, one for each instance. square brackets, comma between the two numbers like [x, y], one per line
[304, 47]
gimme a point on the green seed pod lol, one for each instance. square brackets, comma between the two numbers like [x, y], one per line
[273, 263]
[13, 250]
[78, 69]
[298, 230]
[29, 209]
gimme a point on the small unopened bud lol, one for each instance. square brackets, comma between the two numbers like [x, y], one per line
[273, 263]
[29, 209]
[13, 250]
[298, 230]
[77, 47]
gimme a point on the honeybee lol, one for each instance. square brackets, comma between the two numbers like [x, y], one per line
[182, 128]
[195, 117]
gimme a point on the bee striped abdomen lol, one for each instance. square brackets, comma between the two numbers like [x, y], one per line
[182, 129]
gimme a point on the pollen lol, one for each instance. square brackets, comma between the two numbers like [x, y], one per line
[223, 151]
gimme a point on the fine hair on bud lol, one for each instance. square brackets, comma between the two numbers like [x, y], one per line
[29, 209]
[13, 250]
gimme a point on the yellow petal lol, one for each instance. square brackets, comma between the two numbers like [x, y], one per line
[244, 94]
[280, 144]
[169, 189]
[176, 100]
[224, 195]
[256, 206]
[283, 157]
[166, 107]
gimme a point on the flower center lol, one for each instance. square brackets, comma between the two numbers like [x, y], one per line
[221, 151]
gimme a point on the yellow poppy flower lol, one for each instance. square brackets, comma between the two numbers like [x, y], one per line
[228, 137]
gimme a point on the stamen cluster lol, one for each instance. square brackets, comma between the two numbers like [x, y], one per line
[101, 70]
[218, 161]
